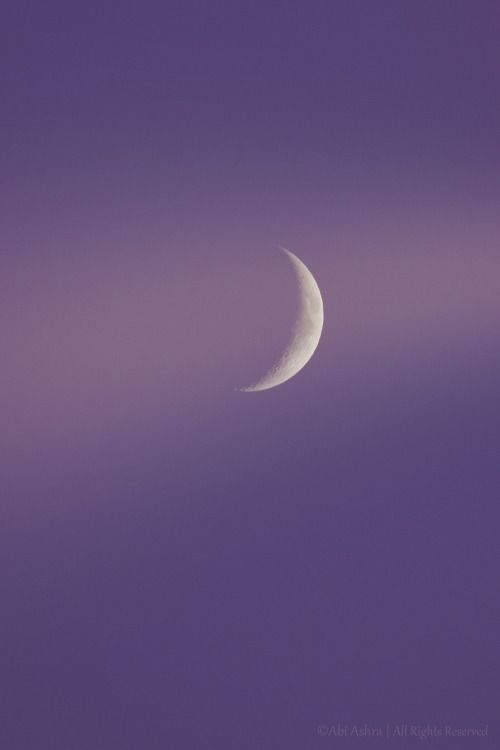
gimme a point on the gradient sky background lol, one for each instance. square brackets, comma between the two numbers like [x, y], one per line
[183, 565]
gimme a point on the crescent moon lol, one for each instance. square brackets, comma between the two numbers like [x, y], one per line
[306, 332]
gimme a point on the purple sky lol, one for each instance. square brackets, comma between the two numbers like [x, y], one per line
[183, 565]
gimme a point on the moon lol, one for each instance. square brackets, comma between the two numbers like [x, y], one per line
[306, 331]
